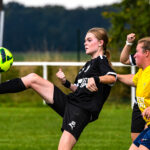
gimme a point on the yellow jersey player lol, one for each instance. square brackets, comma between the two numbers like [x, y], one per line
[137, 122]
[141, 80]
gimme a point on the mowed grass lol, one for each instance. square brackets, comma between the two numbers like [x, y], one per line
[38, 128]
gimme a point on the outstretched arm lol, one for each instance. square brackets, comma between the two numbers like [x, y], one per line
[61, 76]
[124, 57]
[126, 79]
[106, 79]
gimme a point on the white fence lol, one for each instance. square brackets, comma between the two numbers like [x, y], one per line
[46, 64]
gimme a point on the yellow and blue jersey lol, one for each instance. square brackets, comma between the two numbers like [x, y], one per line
[142, 82]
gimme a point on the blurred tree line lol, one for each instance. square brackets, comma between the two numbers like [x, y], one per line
[129, 17]
[50, 27]
[55, 28]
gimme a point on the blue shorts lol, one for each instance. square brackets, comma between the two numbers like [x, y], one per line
[143, 138]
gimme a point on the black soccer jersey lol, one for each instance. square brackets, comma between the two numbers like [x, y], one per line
[82, 97]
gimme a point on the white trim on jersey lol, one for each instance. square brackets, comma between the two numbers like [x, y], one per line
[101, 56]
[131, 60]
[114, 74]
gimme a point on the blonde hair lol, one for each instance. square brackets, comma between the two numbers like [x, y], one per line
[101, 34]
[146, 43]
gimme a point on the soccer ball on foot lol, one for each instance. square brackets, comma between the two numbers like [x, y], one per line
[6, 59]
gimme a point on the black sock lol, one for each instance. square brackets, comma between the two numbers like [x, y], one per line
[12, 86]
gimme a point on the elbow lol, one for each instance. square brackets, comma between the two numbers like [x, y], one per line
[125, 62]
[122, 61]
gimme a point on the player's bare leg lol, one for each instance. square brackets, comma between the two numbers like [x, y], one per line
[43, 87]
[142, 147]
[133, 147]
[67, 141]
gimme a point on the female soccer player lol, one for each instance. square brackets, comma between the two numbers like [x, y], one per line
[141, 80]
[137, 123]
[89, 92]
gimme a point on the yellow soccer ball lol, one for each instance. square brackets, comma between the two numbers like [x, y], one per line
[6, 59]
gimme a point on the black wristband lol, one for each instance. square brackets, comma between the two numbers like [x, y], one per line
[97, 80]
[67, 84]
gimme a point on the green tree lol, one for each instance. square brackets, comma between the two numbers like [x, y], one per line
[129, 16]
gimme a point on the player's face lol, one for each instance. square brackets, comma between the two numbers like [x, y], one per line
[91, 44]
[139, 55]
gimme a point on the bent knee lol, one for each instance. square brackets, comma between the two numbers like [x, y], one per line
[30, 79]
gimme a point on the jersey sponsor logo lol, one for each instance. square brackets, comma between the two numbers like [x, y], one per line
[82, 82]
[141, 103]
[72, 124]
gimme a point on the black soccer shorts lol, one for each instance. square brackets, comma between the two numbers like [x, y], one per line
[137, 123]
[74, 118]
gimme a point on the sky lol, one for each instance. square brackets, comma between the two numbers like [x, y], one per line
[69, 4]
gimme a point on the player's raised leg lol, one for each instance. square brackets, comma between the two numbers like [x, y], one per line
[43, 87]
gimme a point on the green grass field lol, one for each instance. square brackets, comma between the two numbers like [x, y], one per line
[38, 128]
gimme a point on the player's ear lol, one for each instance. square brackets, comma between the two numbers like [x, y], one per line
[101, 42]
[147, 53]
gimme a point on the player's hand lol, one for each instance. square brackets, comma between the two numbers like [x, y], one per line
[131, 37]
[91, 85]
[146, 113]
[61, 76]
